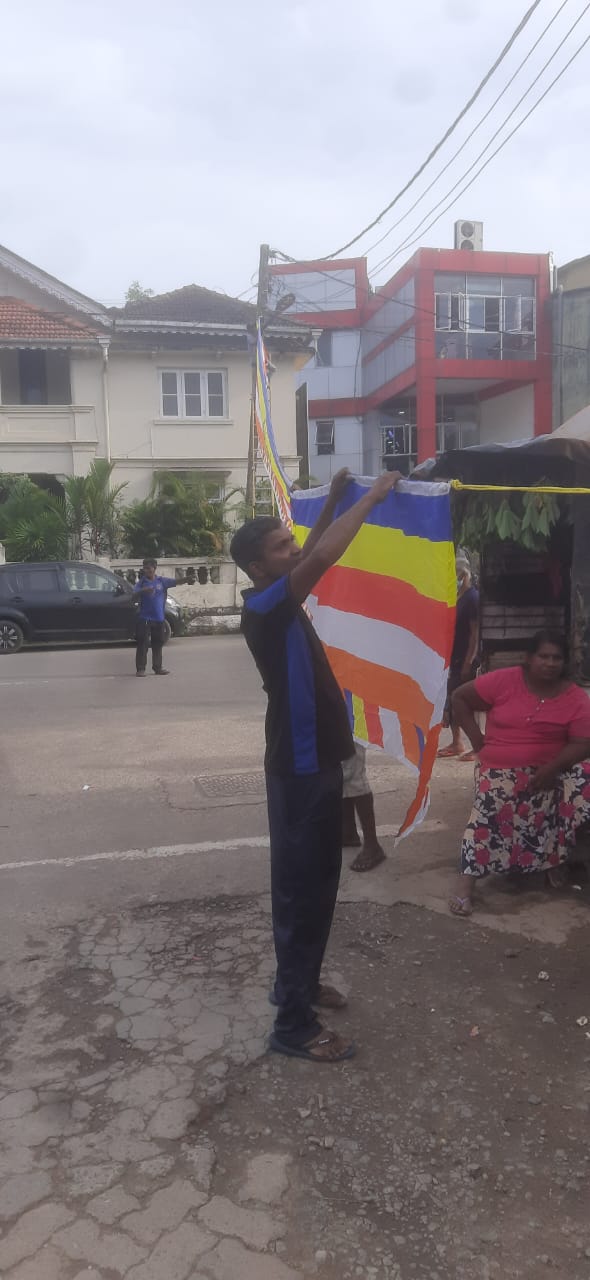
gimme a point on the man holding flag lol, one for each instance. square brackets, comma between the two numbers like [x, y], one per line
[307, 738]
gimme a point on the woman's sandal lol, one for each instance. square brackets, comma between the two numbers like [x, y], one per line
[325, 1047]
[557, 878]
[446, 753]
[460, 906]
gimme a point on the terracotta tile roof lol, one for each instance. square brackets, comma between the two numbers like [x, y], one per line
[191, 303]
[21, 322]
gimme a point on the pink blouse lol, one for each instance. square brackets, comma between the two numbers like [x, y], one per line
[523, 729]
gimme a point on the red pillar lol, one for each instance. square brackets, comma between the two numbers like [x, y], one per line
[426, 415]
[425, 362]
[542, 407]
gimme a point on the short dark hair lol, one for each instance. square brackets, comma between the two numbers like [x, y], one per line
[246, 544]
[149, 560]
[547, 636]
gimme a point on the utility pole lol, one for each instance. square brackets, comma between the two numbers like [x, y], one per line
[261, 303]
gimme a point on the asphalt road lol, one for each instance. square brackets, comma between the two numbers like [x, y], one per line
[135, 959]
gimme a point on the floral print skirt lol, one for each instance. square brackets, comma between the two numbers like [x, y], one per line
[512, 828]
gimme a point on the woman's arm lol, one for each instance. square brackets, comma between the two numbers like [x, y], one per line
[546, 776]
[466, 701]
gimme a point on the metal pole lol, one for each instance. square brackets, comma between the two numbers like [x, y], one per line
[261, 302]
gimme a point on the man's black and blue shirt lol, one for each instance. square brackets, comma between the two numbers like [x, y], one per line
[307, 727]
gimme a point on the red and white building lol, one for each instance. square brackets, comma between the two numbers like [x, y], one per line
[454, 350]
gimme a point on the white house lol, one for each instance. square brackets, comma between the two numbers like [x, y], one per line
[160, 384]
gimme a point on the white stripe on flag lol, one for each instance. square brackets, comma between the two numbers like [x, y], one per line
[382, 643]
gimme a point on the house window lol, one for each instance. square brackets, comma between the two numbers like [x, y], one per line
[324, 435]
[32, 376]
[324, 348]
[193, 393]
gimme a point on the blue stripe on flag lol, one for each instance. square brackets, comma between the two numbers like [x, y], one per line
[417, 515]
[348, 701]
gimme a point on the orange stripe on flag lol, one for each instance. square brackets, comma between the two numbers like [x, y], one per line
[410, 742]
[382, 687]
[428, 758]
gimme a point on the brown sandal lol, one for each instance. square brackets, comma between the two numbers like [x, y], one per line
[329, 998]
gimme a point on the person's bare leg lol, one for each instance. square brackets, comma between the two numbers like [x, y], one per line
[350, 835]
[461, 900]
[371, 853]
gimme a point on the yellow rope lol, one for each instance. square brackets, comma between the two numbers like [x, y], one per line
[516, 488]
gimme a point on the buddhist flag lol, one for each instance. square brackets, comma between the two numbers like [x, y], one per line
[386, 616]
[266, 437]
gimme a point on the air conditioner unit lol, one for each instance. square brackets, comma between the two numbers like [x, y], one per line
[468, 235]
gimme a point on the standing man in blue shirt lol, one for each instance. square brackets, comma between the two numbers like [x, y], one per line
[307, 738]
[150, 624]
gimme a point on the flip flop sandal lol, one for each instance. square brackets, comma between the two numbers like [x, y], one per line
[468, 756]
[305, 1051]
[373, 860]
[462, 907]
[447, 753]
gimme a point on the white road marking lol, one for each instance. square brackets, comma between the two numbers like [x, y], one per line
[178, 850]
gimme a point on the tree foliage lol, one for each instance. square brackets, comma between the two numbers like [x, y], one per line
[178, 519]
[136, 292]
[525, 518]
[36, 524]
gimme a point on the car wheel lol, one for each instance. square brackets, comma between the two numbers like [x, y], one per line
[12, 637]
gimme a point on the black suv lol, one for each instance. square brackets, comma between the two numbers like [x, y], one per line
[68, 600]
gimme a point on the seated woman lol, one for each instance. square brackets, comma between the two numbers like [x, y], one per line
[532, 782]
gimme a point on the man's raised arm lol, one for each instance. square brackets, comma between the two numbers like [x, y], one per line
[332, 543]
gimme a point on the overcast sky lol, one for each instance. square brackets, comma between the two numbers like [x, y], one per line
[164, 141]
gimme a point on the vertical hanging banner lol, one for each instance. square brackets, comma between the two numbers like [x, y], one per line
[264, 431]
[386, 616]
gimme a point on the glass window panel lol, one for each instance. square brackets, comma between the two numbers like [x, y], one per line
[445, 282]
[215, 384]
[476, 313]
[170, 406]
[484, 284]
[518, 346]
[484, 346]
[216, 409]
[456, 310]
[192, 406]
[527, 318]
[442, 306]
[169, 382]
[469, 434]
[524, 285]
[38, 580]
[492, 315]
[450, 346]
[192, 383]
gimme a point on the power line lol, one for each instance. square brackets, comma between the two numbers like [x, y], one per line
[408, 242]
[451, 129]
[483, 119]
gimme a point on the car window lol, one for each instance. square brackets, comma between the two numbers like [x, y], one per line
[37, 581]
[80, 578]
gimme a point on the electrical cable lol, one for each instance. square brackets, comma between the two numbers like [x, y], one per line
[483, 119]
[451, 129]
[406, 244]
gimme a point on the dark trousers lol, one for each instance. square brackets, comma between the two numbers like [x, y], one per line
[146, 630]
[305, 820]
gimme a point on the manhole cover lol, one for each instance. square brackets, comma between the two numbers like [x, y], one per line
[231, 784]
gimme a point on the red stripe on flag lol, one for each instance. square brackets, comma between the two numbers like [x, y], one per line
[389, 600]
[374, 726]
